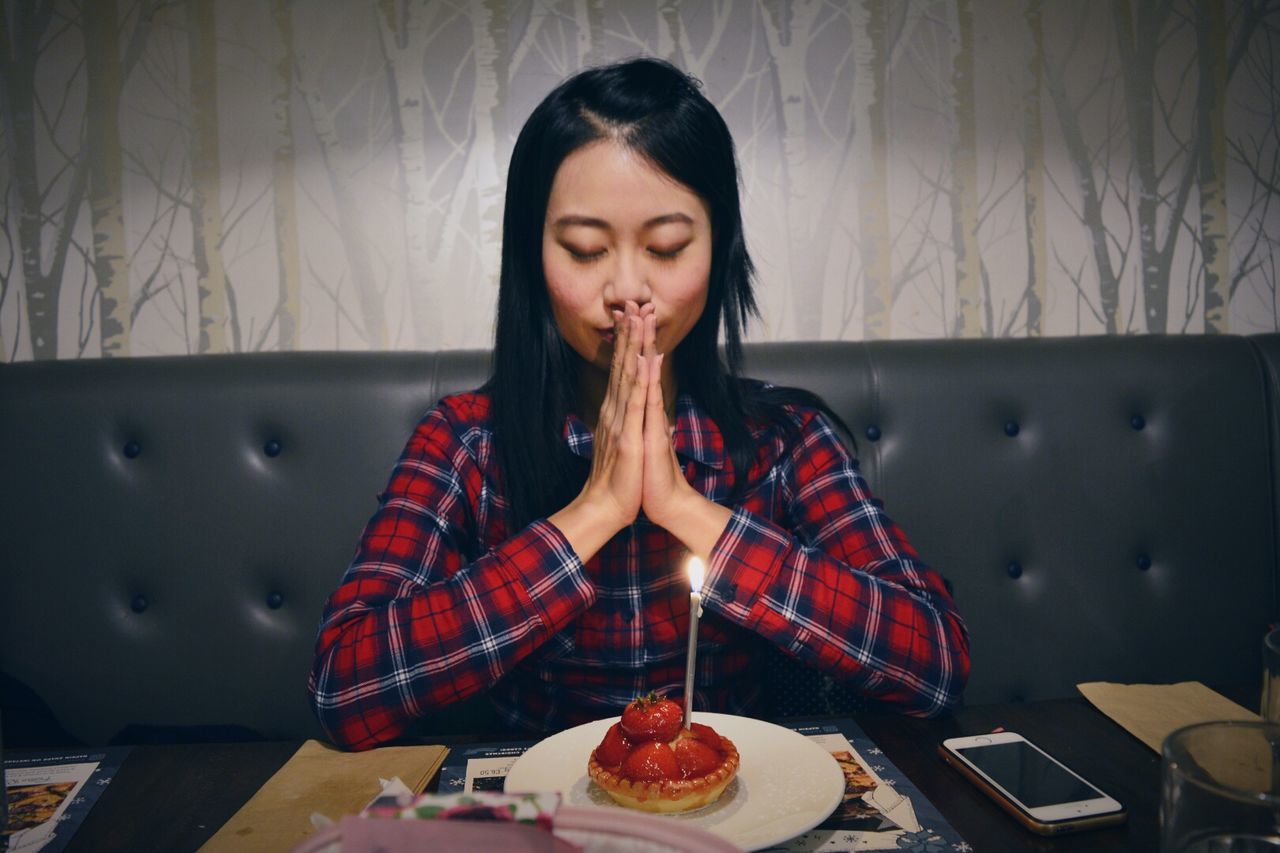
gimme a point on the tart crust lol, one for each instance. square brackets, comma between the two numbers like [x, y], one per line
[668, 796]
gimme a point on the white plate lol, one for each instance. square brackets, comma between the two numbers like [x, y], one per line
[786, 783]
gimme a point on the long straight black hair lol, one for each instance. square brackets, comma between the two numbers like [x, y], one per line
[658, 112]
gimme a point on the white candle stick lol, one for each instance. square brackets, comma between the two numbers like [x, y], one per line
[696, 571]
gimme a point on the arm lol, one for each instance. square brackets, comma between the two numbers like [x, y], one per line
[414, 624]
[839, 587]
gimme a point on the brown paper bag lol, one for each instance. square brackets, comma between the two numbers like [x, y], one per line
[320, 778]
[1150, 711]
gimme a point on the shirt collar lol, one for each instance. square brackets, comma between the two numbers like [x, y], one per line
[697, 437]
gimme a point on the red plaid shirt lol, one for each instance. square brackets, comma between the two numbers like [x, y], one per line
[443, 602]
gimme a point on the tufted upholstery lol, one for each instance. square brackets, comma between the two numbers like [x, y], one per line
[1105, 508]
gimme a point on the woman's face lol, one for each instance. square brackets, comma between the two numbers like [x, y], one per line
[618, 229]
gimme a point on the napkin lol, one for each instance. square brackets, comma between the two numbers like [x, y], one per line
[1150, 711]
[320, 778]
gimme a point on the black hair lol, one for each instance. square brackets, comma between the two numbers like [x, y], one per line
[660, 113]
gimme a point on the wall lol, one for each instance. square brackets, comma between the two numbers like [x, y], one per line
[188, 176]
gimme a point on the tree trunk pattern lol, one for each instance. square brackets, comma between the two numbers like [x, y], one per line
[964, 180]
[283, 170]
[206, 193]
[351, 231]
[1137, 46]
[1090, 203]
[872, 157]
[787, 30]
[1211, 39]
[1033, 176]
[404, 39]
[106, 167]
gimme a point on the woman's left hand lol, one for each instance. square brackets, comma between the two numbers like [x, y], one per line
[667, 498]
[665, 494]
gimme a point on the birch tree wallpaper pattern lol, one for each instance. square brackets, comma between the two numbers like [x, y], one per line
[192, 176]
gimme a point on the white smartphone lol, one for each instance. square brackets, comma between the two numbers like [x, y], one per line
[1041, 792]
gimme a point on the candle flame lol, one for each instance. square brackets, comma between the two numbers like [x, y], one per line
[696, 573]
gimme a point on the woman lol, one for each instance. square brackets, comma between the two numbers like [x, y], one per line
[533, 537]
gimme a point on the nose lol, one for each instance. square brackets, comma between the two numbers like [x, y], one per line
[628, 280]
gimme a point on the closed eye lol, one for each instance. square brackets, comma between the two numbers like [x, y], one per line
[668, 254]
[585, 257]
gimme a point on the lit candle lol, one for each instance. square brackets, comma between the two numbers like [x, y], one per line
[696, 571]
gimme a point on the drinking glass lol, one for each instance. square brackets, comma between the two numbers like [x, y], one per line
[1221, 788]
[1271, 676]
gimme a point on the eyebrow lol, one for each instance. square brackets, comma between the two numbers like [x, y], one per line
[593, 222]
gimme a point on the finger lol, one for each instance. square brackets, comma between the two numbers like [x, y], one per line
[634, 410]
[627, 383]
[655, 416]
[635, 341]
[609, 405]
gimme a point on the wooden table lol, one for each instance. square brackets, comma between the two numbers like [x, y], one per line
[174, 797]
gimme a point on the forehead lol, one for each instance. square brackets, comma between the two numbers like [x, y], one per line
[606, 180]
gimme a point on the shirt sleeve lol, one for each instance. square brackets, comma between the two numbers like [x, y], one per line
[839, 587]
[416, 625]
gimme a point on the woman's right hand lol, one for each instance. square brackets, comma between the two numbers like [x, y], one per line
[610, 499]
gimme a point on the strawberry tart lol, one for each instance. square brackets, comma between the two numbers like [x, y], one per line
[649, 761]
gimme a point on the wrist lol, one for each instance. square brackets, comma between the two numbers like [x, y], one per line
[587, 525]
[696, 521]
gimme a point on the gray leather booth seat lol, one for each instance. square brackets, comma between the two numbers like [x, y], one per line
[1104, 507]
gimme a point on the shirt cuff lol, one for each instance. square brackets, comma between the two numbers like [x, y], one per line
[541, 561]
[745, 561]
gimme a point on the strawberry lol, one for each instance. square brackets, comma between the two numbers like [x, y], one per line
[706, 734]
[651, 762]
[695, 757]
[614, 748]
[652, 718]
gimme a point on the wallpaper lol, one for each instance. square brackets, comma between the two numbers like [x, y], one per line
[191, 176]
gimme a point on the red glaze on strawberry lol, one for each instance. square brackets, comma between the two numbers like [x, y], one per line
[651, 762]
[613, 750]
[695, 757]
[706, 734]
[651, 718]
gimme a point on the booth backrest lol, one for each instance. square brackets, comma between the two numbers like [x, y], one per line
[1104, 507]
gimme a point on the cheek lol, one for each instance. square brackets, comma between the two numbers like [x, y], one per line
[568, 293]
[569, 299]
[687, 297]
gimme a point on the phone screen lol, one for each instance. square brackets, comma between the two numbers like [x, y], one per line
[1028, 774]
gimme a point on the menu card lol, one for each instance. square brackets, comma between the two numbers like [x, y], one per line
[881, 809]
[50, 793]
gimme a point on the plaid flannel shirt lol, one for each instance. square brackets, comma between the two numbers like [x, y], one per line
[443, 602]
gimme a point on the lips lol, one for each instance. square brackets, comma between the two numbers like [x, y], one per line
[606, 335]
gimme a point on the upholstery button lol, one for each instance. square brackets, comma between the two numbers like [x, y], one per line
[271, 448]
[132, 449]
[1014, 569]
[139, 603]
[275, 600]
[1011, 428]
[1144, 562]
[873, 433]
[1137, 422]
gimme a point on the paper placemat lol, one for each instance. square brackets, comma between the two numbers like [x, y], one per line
[320, 778]
[1150, 711]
